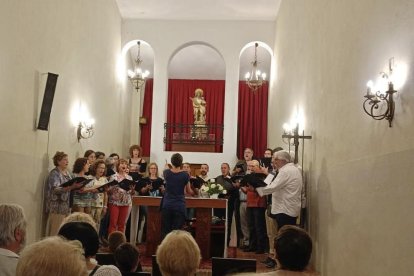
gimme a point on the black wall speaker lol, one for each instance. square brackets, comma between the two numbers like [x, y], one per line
[47, 102]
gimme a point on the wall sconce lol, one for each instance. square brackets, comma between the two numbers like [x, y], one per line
[85, 129]
[381, 98]
[137, 77]
[290, 133]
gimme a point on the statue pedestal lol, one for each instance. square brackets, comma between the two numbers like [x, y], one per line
[199, 132]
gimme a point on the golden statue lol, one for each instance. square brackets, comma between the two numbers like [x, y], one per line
[199, 107]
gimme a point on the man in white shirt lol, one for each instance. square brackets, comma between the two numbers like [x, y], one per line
[12, 237]
[285, 188]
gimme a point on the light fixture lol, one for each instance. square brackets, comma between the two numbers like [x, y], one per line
[255, 78]
[85, 129]
[379, 100]
[290, 133]
[137, 77]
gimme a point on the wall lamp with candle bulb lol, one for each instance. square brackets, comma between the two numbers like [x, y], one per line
[377, 101]
[85, 129]
[83, 122]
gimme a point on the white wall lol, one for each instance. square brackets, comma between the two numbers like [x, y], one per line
[80, 41]
[166, 37]
[359, 170]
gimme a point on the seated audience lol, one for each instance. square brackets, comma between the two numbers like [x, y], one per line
[87, 235]
[79, 217]
[178, 254]
[115, 239]
[52, 256]
[127, 258]
[293, 247]
[12, 237]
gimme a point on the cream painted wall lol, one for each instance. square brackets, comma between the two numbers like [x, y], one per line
[359, 170]
[80, 41]
[166, 37]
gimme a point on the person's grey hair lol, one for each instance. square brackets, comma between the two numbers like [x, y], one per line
[283, 155]
[11, 218]
[45, 258]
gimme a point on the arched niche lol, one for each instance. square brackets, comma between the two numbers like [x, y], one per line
[195, 65]
[197, 60]
[252, 118]
[141, 112]
[264, 58]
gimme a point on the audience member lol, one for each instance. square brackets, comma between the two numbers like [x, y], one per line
[115, 239]
[57, 197]
[127, 258]
[52, 256]
[178, 254]
[293, 251]
[173, 204]
[79, 217]
[12, 237]
[87, 235]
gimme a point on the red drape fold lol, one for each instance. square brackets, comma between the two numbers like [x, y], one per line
[252, 119]
[147, 112]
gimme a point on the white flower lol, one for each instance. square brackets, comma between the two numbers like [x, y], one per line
[212, 186]
[212, 180]
[224, 192]
[220, 188]
[206, 189]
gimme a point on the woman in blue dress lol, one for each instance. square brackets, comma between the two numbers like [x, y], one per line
[173, 204]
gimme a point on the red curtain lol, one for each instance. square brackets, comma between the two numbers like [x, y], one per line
[180, 108]
[147, 112]
[252, 119]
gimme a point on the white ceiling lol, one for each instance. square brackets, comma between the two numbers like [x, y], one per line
[209, 63]
[199, 9]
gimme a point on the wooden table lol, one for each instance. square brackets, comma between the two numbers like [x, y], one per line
[203, 208]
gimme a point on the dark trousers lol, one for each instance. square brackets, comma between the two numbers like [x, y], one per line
[258, 239]
[283, 219]
[171, 220]
[230, 210]
[143, 211]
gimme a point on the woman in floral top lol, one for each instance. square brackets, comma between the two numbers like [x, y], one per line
[57, 198]
[119, 199]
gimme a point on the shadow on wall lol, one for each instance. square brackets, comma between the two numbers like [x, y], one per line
[322, 219]
[42, 192]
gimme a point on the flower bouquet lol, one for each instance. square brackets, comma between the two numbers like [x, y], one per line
[213, 189]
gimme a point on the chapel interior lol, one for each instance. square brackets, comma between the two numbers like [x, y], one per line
[318, 55]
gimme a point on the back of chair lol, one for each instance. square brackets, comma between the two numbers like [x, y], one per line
[155, 268]
[105, 258]
[224, 266]
[136, 273]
